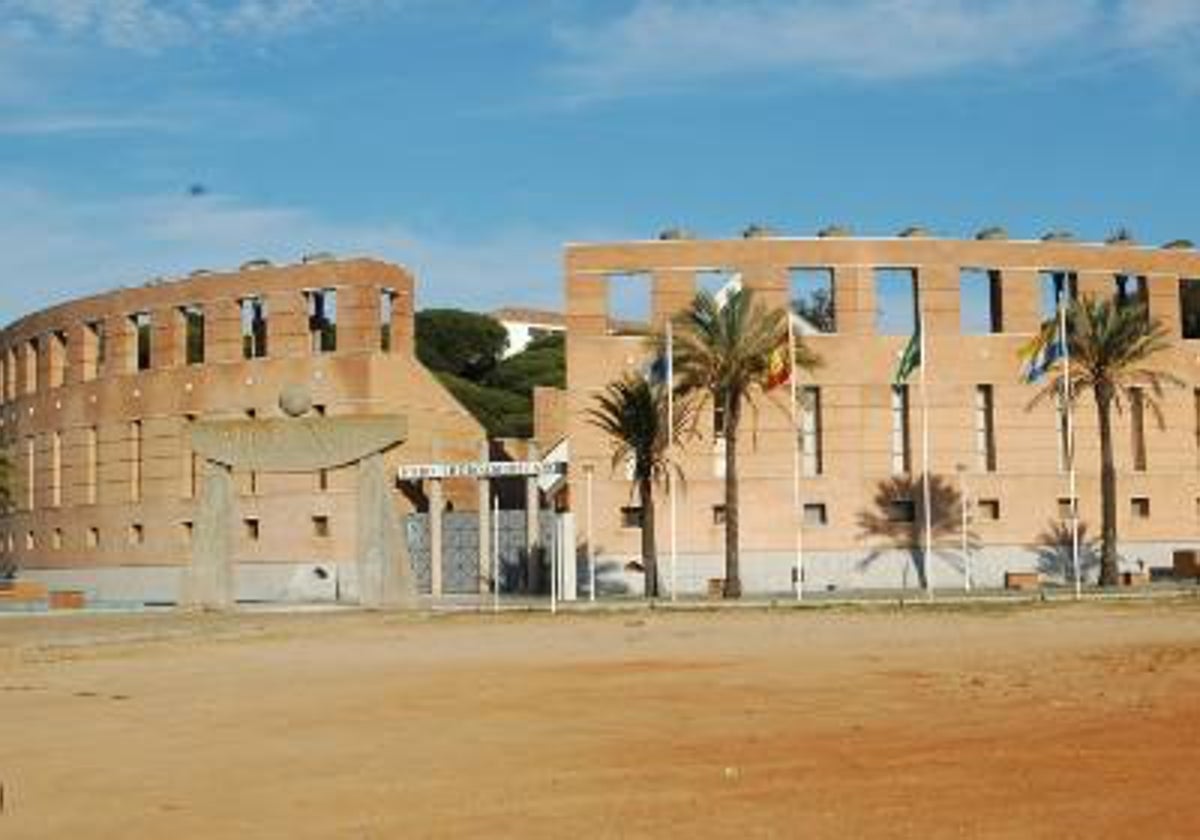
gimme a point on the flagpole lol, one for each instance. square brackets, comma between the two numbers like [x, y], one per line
[1071, 484]
[928, 540]
[671, 457]
[797, 505]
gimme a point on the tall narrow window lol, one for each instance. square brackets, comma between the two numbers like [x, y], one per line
[135, 461]
[630, 307]
[1057, 286]
[896, 301]
[980, 302]
[901, 448]
[58, 358]
[192, 318]
[1137, 427]
[254, 328]
[252, 475]
[10, 375]
[387, 313]
[1189, 308]
[142, 328]
[94, 349]
[985, 429]
[31, 366]
[322, 319]
[1130, 290]
[56, 470]
[812, 300]
[811, 454]
[30, 472]
[92, 463]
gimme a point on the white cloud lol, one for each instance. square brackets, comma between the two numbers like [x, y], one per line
[1165, 32]
[663, 42]
[154, 25]
[54, 248]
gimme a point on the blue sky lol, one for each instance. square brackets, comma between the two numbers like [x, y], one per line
[469, 140]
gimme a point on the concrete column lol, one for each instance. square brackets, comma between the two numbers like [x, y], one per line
[437, 503]
[208, 581]
[532, 567]
[485, 524]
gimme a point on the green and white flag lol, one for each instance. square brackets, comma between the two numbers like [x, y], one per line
[910, 359]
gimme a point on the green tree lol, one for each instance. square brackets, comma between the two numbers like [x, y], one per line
[502, 413]
[541, 363]
[817, 309]
[464, 344]
[722, 357]
[1110, 346]
[633, 414]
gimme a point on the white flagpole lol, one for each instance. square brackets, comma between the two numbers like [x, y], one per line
[591, 538]
[1066, 367]
[496, 554]
[671, 457]
[928, 540]
[797, 506]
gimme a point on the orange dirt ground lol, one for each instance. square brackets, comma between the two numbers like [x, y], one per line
[1051, 721]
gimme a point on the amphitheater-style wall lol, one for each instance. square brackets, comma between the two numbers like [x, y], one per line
[104, 481]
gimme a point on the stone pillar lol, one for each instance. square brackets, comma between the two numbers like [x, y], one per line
[532, 566]
[485, 525]
[208, 580]
[437, 503]
[384, 573]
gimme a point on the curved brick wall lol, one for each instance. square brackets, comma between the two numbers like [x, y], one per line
[102, 470]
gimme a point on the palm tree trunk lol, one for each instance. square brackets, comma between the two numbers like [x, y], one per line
[1108, 488]
[733, 416]
[649, 550]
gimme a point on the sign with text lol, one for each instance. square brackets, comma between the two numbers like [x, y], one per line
[480, 469]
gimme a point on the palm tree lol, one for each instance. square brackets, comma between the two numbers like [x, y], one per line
[633, 413]
[1109, 344]
[723, 355]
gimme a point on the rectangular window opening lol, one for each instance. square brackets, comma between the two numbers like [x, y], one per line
[629, 303]
[1189, 308]
[815, 515]
[387, 314]
[985, 428]
[812, 300]
[250, 528]
[56, 539]
[1137, 428]
[137, 534]
[31, 366]
[254, 327]
[142, 328]
[631, 517]
[1066, 508]
[718, 283]
[1130, 290]
[1055, 286]
[718, 514]
[322, 319]
[56, 470]
[135, 461]
[1139, 507]
[901, 432]
[94, 349]
[320, 526]
[186, 532]
[58, 358]
[192, 317]
[896, 301]
[980, 302]
[93, 538]
[989, 510]
[901, 510]
[812, 460]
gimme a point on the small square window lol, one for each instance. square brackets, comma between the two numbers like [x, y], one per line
[1065, 508]
[1139, 507]
[320, 526]
[56, 539]
[989, 509]
[93, 537]
[186, 531]
[251, 528]
[901, 510]
[631, 517]
[815, 515]
[137, 534]
[718, 514]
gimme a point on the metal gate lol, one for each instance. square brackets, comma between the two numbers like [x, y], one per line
[460, 552]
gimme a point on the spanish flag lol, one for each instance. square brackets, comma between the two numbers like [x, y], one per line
[779, 363]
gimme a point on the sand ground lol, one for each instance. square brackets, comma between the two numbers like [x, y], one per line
[1051, 721]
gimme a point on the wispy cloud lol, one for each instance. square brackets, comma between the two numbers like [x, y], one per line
[661, 45]
[54, 247]
[154, 25]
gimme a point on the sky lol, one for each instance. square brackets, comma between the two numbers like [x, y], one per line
[469, 140]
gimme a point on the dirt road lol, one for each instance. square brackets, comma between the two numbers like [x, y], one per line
[1063, 721]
